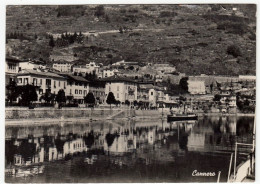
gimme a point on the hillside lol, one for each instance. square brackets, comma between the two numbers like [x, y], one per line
[208, 39]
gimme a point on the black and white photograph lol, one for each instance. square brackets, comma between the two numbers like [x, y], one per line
[130, 93]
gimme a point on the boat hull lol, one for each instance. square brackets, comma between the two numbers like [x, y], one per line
[181, 118]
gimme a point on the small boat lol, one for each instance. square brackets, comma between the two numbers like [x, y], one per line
[182, 117]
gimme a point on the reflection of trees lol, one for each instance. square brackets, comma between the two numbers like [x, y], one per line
[110, 139]
[89, 139]
[10, 151]
[59, 144]
[26, 149]
[183, 141]
[243, 126]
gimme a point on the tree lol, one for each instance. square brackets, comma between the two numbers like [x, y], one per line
[127, 102]
[234, 51]
[60, 98]
[13, 93]
[28, 94]
[135, 103]
[51, 42]
[100, 11]
[70, 98]
[89, 139]
[48, 96]
[121, 30]
[217, 98]
[89, 99]
[184, 83]
[111, 99]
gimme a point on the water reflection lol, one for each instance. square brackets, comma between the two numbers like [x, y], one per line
[105, 148]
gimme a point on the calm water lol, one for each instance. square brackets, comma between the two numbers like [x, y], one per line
[130, 151]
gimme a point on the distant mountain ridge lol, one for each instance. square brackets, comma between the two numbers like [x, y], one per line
[194, 39]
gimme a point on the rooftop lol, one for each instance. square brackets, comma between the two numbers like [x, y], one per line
[13, 59]
[73, 77]
[41, 73]
[117, 78]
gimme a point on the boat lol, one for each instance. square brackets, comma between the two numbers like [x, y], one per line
[182, 117]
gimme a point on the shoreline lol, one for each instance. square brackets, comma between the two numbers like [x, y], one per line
[62, 121]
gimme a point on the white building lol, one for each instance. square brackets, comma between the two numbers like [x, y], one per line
[91, 67]
[30, 65]
[196, 87]
[163, 68]
[123, 88]
[44, 80]
[62, 66]
[78, 87]
[107, 73]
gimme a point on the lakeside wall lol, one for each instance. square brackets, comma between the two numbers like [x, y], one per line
[48, 113]
[87, 113]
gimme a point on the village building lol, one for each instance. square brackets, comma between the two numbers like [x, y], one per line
[109, 73]
[143, 93]
[77, 87]
[11, 68]
[196, 87]
[98, 87]
[125, 63]
[163, 68]
[91, 67]
[62, 66]
[31, 65]
[123, 88]
[44, 81]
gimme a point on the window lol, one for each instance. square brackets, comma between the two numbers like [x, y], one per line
[80, 92]
[54, 84]
[25, 81]
[117, 88]
[117, 95]
[48, 82]
[64, 85]
[40, 81]
[76, 91]
[20, 80]
[109, 88]
[34, 81]
[70, 91]
[40, 91]
[59, 83]
[151, 93]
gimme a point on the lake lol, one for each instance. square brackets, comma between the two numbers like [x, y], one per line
[125, 150]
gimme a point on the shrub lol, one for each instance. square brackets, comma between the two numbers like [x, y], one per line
[234, 51]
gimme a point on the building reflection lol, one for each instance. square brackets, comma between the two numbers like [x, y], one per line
[122, 143]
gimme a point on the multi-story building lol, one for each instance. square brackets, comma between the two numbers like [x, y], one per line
[196, 87]
[31, 65]
[91, 67]
[107, 73]
[78, 87]
[98, 89]
[123, 88]
[163, 68]
[43, 79]
[11, 68]
[62, 66]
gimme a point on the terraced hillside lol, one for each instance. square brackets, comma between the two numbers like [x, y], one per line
[208, 39]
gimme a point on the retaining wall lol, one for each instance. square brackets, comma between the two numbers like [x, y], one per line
[25, 113]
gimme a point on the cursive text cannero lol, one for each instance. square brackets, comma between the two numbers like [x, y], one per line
[197, 173]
